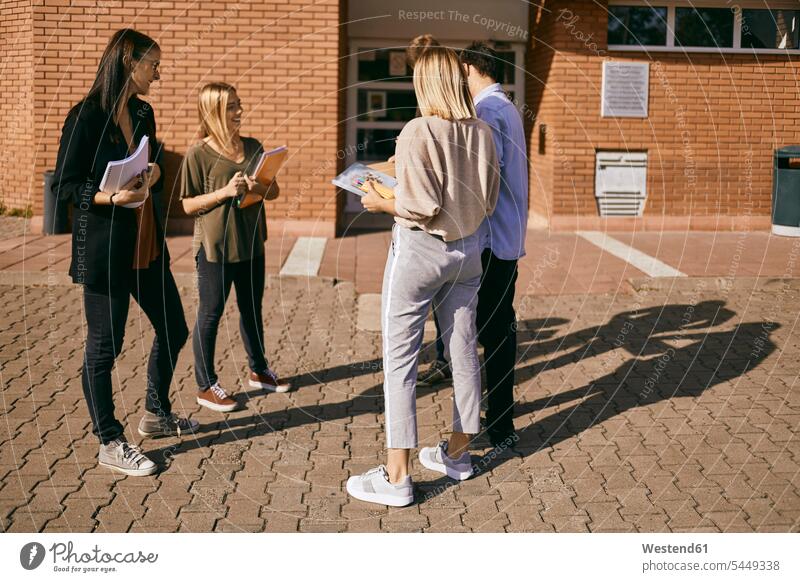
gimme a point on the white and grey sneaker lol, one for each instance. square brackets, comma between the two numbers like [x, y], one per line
[374, 486]
[153, 425]
[124, 457]
[436, 459]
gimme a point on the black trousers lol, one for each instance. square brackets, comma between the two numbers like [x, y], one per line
[106, 309]
[497, 333]
[214, 284]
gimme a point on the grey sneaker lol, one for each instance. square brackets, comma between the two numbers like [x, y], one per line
[374, 486]
[436, 459]
[438, 372]
[124, 457]
[153, 425]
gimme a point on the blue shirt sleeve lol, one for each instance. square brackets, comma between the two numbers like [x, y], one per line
[493, 116]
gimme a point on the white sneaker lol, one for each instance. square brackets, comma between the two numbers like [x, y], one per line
[121, 456]
[436, 459]
[374, 486]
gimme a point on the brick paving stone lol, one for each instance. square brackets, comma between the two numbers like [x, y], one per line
[281, 521]
[712, 447]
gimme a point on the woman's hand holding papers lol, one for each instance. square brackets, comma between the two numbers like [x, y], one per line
[374, 202]
[133, 192]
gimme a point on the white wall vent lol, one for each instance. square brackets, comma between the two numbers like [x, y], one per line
[621, 183]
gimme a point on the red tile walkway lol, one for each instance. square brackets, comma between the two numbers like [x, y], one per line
[557, 263]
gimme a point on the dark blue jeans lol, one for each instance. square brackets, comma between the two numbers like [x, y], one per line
[498, 336]
[214, 285]
[106, 311]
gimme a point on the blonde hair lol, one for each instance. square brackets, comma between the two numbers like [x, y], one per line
[441, 85]
[212, 104]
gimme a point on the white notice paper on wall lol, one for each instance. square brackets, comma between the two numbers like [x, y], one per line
[626, 88]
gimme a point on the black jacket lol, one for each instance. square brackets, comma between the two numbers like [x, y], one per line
[103, 236]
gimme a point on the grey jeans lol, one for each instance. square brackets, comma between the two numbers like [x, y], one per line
[422, 269]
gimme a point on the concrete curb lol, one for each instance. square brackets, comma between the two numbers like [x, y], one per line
[183, 280]
[693, 284]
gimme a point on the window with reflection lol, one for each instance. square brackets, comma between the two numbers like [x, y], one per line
[384, 65]
[704, 27]
[770, 29]
[637, 25]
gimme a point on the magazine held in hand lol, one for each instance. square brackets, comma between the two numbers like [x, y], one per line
[120, 172]
[354, 178]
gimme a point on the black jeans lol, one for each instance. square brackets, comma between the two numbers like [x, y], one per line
[214, 284]
[106, 310]
[497, 333]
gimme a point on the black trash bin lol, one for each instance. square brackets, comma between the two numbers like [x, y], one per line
[786, 192]
[56, 214]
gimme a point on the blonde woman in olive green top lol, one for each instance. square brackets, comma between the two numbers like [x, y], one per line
[229, 240]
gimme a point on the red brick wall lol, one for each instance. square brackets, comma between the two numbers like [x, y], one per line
[285, 59]
[16, 106]
[282, 56]
[714, 121]
[541, 109]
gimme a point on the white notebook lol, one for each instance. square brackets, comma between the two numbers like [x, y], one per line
[120, 172]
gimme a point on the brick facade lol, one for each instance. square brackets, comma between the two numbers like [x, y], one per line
[17, 143]
[714, 121]
[283, 58]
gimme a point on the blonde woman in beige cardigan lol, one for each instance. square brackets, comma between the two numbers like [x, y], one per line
[448, 183]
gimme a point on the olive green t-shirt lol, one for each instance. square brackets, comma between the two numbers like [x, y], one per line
[227, 233]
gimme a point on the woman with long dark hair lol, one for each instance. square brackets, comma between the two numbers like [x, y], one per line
[118, 247]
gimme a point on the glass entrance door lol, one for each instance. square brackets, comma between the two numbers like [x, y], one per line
[381, 100]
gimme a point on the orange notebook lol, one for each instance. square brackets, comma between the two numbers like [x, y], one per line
[269, 163]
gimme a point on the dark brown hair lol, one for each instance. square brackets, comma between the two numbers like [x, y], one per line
[417, 46]
[484, 58]
[114, 72]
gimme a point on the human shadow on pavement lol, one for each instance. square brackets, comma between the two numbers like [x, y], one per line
[674, 352]
[534, 330]
[668, 361]
[367, 402]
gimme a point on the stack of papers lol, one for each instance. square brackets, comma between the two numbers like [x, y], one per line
[354, 177]
[120, 172]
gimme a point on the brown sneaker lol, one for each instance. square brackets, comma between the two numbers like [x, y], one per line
[269, 382]
[216, 399]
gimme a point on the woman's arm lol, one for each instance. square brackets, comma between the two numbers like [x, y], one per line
[198, 204]
[374, 202]
[266, 191]
[73, 180]
[419, 172]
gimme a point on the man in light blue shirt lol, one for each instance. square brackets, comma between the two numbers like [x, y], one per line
[504, 245]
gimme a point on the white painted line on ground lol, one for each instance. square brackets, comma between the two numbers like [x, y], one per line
[369, 316]
[306, 256]
[644, 262]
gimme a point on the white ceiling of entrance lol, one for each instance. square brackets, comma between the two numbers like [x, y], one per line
[500, 20]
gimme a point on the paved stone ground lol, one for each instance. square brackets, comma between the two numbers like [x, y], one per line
[671, 409]
[13, 226]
